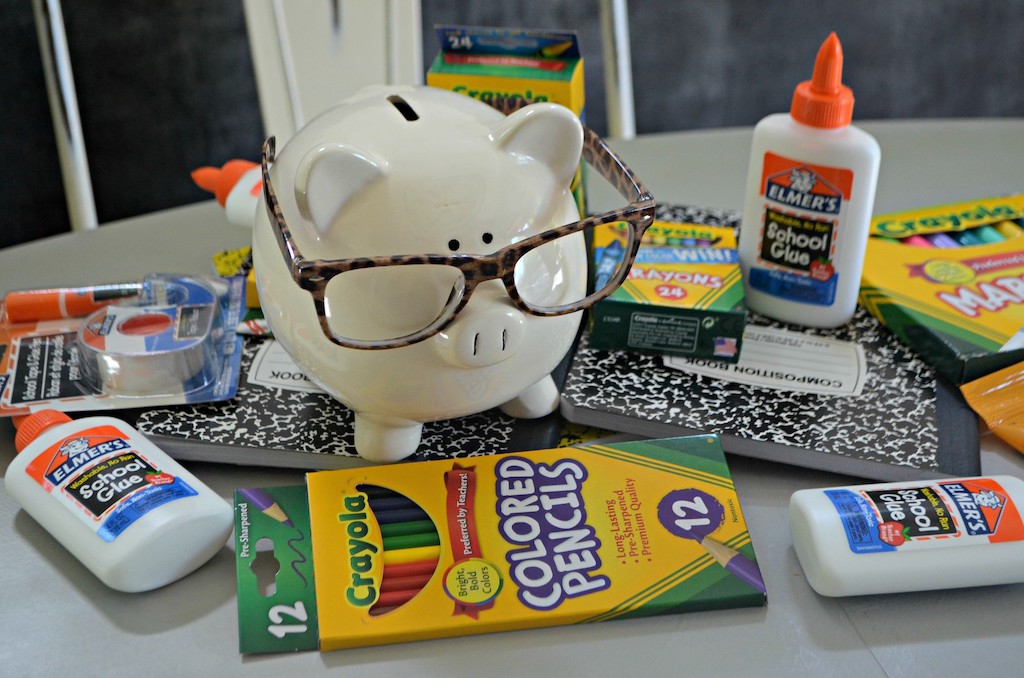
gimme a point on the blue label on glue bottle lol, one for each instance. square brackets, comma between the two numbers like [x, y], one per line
[100, 477]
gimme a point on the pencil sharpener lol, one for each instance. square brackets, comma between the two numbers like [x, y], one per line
[417, 174]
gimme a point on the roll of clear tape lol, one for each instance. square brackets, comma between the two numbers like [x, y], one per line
[154, 349]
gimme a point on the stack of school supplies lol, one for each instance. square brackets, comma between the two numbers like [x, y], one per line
[406, 552]
[850, 400]
[948, 280]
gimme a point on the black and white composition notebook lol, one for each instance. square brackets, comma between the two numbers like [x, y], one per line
[850, 400]
[279, 418]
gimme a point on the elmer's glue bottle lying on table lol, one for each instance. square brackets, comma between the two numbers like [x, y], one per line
[910, 536]
[132, 515]
[810, 192]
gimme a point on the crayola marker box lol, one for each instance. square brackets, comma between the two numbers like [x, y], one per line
[683, 295]
[538, 65]
[405, 552]
[948, 280]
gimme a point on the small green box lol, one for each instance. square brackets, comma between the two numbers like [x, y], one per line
[683, 296]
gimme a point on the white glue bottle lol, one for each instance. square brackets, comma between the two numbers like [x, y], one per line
[810, 193]
[132, 515]
[910, 536]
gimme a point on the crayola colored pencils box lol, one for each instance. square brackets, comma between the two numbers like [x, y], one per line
[683, 295]
[948, 280]
[387, 554]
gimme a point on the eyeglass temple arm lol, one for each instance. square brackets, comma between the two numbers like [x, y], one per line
[281, 230]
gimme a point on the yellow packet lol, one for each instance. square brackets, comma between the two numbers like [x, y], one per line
[998, 398]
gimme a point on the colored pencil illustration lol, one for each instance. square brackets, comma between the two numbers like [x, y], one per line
[266, 505]
[411, 527]
[395, 598]
[411, 547]
[411, 541]
[411, 583]
[384, 504]
[735, 562]
[412, 555]
[401, 570]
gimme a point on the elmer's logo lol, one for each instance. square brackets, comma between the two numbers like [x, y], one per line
[803, 188]
[979, 506]
[78, 452]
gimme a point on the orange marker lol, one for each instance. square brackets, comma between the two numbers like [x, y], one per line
[73, 302]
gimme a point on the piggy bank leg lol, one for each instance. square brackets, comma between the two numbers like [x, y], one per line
[536, 401]
[386, 439]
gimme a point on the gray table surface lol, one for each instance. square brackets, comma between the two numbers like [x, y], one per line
[56, 619]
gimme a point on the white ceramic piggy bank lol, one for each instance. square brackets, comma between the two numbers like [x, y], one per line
[420, 171]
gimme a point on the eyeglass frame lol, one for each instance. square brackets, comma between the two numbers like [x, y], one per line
[313, 275]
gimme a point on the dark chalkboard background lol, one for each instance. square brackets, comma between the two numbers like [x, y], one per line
[165, 87]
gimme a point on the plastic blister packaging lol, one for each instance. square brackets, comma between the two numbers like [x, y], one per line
[164, 341]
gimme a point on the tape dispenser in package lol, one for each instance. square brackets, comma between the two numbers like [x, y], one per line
[164, 343]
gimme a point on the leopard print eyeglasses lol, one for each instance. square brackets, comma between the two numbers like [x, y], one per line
[433, 288]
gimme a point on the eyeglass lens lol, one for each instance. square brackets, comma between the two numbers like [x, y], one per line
[391, 302]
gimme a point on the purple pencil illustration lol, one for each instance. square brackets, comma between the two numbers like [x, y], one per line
[735, 562]
[266, 504]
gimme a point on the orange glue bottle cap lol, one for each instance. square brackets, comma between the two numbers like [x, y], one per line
[824, 101]
[32, 425]
[220, 181]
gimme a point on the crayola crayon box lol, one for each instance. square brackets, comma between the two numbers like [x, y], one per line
[537, 65]
[683, 295]
[948, 280]
[386, 554]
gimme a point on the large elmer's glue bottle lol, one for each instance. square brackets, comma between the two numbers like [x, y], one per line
[132, 515]
[910, 536]
[810, 192]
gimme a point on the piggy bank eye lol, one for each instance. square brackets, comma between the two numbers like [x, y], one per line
[454, 245]
[487, 238]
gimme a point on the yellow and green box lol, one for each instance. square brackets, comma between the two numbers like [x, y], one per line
[948, 280]
[537, 65]
[387, 554]
[683, 296]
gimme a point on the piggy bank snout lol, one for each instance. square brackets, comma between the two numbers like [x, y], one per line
[483, 336]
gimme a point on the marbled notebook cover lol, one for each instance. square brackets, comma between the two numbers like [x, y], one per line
[905, 424]
[269, 426]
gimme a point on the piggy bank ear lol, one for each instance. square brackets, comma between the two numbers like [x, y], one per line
[328, 177]
[548, 133]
